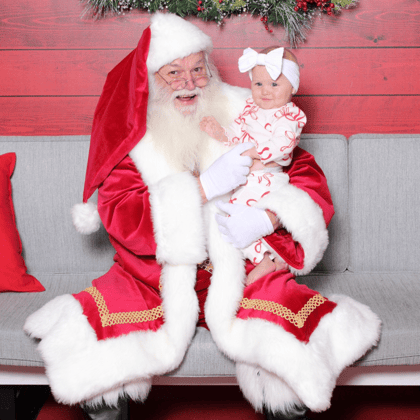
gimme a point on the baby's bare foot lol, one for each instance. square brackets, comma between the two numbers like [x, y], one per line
[266, 266]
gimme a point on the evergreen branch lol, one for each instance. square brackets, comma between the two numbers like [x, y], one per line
[295, 19]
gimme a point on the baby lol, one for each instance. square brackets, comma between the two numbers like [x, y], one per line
[273, 123]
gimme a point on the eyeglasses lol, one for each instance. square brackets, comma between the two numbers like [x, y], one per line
[200, 76]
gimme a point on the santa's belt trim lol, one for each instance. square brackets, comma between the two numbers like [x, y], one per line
[298, 319]
[108, 319]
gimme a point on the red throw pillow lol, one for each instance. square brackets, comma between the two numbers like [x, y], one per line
[13, 276]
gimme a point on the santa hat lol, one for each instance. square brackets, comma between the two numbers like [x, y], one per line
[119, 122]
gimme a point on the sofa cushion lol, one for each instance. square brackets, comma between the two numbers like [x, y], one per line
[384, 203]
[330, 152]
[48, 180]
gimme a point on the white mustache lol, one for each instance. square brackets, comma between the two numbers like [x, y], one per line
[185, 92]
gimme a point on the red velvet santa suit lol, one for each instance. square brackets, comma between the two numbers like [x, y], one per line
[289, 343]
[132, 235]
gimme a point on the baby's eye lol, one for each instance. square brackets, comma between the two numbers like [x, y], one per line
[274, 84]
[258, 84]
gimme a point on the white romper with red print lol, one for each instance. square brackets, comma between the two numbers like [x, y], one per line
[275, 133]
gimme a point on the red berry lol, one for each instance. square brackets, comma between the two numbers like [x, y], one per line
[198, 9]
[332, 5]
[296, 9]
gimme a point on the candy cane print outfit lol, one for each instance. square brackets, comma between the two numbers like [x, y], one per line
[275, 132]
[259, 184]
[278, 132]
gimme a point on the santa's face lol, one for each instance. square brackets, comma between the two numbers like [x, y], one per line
[268, 93]
[184, 79]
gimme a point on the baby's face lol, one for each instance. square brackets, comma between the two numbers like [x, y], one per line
[268, 93]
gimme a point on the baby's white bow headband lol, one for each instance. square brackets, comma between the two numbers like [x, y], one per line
[274, 63]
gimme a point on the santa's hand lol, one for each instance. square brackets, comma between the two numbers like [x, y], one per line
[227, 172]
[244, 225]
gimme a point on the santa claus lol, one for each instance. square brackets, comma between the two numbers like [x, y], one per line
[161, 182]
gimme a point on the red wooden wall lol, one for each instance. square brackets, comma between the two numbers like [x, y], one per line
[359, 72]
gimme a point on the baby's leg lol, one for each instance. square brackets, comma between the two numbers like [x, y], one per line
[266, 266]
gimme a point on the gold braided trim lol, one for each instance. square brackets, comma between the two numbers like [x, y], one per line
[108, 319]
[206, 265]
[298, 319]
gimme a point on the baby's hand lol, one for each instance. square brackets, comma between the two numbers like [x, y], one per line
[257, 165]
[251, 153]
[210, 126]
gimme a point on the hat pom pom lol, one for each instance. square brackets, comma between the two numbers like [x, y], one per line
[86, 218]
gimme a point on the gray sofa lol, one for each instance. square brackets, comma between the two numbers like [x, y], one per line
[373, 256]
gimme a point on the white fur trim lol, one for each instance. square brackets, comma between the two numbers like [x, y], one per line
[173, 38]
[262, 388]
[81, 368]
[86, 218]
[177, 220]
[248, 377]
[309, 370]
[346, 333]
[303, 218]
[149, 162]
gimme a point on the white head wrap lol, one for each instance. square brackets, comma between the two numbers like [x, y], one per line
[274, 63]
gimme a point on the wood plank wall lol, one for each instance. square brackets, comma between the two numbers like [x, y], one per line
[360, 72]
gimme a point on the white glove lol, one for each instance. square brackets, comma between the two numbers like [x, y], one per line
[245, 224]
[227, 172]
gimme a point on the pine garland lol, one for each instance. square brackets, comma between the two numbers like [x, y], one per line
[294, 15]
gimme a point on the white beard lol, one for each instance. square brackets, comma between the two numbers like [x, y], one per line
[176, 132]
